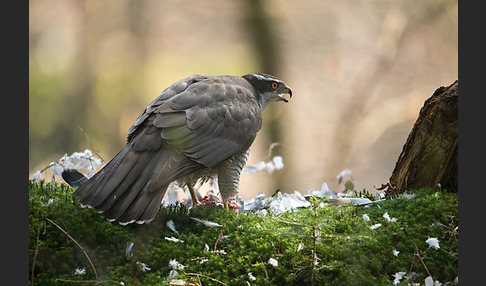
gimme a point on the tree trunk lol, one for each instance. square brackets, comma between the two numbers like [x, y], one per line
[429, 156]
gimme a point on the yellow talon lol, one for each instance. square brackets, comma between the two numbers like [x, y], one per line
[195, 201]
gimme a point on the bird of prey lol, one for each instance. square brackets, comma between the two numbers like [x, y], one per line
[199, 127]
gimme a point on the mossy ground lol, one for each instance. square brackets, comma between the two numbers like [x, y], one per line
[320, 245]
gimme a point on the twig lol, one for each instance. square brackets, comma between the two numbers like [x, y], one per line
[219, 236]
[270, 149]
[89, 142]
[35, 258]
[453, 254]
[417, 253]
[79, 245]
[210, 278]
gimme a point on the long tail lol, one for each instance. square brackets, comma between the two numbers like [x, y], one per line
[131, 186]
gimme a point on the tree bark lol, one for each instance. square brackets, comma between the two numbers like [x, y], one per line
[429, 156]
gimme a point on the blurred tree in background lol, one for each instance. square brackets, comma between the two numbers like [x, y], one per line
[359, 70]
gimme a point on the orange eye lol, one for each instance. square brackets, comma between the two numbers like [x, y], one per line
[274, 85]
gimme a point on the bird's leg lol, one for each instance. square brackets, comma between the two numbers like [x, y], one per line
[229, 176]
[195, 201]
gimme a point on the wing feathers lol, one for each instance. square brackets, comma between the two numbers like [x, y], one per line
[197, 122]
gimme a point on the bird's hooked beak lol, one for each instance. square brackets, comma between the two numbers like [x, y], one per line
[282, 95]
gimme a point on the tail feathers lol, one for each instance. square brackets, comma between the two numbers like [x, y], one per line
[131, 186]
[120, 204]
[144, 207]
[73, 177]
[100, 186]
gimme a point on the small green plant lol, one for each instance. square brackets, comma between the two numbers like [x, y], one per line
[365, 194]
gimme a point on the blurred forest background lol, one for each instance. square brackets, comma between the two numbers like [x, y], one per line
[360, 71]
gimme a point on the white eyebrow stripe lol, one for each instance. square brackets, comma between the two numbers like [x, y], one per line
[261, 77]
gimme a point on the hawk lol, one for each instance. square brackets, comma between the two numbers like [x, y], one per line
[199, 127]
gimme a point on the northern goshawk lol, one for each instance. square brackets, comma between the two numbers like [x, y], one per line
[199, 127]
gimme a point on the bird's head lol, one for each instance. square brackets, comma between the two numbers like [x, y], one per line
[268, 88]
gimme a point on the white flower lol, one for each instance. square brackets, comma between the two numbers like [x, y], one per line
[395, 252]
[433, 242]
[375, 226]
[80, 271]
[37, 176]
[174, 239]
[398, 276]
[250, 275]
[175, 265]
[366, 217]
[273, 262]
[144, 266]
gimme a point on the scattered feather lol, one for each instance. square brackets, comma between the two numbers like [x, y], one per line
[324, 192]
[429, 281]
[175, 265]
[375, 226]
[343, 174]
[398, 276]
[205, 222]
[433, 242]
[250, 275]
[299, 248]
[387, 217]
[360, 201]
[275, 164]
[409, 196]
[143, 266]
[37, 176]
[270, 167]
[253, 169]
[77, 160]
[174, 239]
[79, 271]
[56, 169]
[257, 203]
[273, 262]
[366, 217]
[395, 252]
[178, 282]
[129, 250]
[170, 224]
[278, 162]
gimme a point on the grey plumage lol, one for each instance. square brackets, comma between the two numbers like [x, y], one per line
[198, 127]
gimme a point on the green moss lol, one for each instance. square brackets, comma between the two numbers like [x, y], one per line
[347, 251]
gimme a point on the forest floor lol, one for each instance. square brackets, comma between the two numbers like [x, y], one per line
[407, 240]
